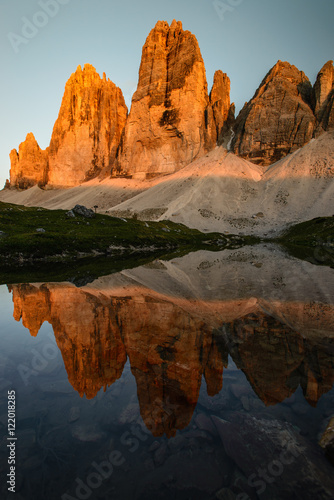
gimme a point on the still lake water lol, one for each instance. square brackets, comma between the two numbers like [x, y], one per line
[206, 377]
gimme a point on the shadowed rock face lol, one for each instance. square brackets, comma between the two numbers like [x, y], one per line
[278, 120]
[223, 110]
[324, 98]
[276, 359]
[171, 121]
[171, 344]
[28, 165]
[87, 132]
[327, 114]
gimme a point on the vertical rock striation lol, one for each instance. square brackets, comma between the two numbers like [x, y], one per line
[223, 111]
[84, 140]
[87, 132]
[28, 166]
[279, 118]
[324, 98]
[171, 121]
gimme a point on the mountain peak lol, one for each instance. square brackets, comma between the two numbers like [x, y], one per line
[30, 138]
[171, 120]
[88, 129]
[324, 84]
[323, 95]
[29, 164]
[176, 26]
[278, 120]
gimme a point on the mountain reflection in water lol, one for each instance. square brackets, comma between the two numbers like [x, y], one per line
[172, 341]
[185, 328]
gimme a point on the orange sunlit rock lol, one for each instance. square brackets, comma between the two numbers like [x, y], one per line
[28, 165]
[87, 132]
[85, 136]
[171, 122]
[324, 98]
[173, 342]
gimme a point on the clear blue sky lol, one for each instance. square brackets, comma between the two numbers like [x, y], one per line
[245, 41]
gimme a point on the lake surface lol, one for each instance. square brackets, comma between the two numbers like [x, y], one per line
[209, 376]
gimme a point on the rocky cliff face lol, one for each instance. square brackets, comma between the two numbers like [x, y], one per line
[84, 140]
[223, 111]
[87, 132]
[28, 165]
[324, 98]
[171, 121]
[278, 120]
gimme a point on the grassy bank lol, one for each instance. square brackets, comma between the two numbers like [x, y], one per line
[311, 240]
[36, 234]
[35, 243]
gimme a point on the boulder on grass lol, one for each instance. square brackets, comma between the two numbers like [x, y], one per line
[85, 212]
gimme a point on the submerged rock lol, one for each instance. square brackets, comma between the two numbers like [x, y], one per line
[205, 423]
[225, 494]
[275, 458]
[129, 414]
[160, 454]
